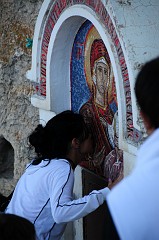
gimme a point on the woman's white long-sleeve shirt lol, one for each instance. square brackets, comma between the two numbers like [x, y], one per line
[44, 195]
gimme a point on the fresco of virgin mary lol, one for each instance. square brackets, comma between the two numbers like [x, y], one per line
[100, 108]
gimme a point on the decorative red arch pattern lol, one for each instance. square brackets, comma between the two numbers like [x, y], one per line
[58, 6]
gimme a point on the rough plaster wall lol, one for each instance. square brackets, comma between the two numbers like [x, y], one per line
[17, 116]
[137, 24]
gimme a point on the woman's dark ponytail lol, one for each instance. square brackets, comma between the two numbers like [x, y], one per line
[54, 140]
[37, 139]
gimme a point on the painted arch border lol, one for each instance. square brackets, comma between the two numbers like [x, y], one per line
[95, 11]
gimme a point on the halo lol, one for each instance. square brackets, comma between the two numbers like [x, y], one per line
[91, 36]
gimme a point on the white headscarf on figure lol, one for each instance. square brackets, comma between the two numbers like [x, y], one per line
[100, 60]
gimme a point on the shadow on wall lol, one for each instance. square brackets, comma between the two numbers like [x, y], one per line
[6, 159]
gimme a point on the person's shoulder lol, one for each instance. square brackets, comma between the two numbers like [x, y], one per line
[61, 161]
[62, 164]
[61, 168]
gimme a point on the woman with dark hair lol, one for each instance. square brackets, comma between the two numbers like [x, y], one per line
[44, 193]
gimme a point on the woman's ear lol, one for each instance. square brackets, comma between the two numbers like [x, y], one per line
[147, 123]
[75, 143]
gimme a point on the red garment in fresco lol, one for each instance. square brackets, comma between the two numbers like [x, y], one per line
[96, 119]
[106, 159]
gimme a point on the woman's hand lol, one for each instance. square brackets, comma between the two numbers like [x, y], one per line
[112, 184]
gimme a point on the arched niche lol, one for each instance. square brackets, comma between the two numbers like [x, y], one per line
[55, 31]
[6, 159]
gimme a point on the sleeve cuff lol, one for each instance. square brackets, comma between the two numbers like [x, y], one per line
[105, 192]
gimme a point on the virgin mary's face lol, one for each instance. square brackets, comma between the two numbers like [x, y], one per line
[102, 75]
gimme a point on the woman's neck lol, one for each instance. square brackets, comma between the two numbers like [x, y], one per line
[72, 163]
